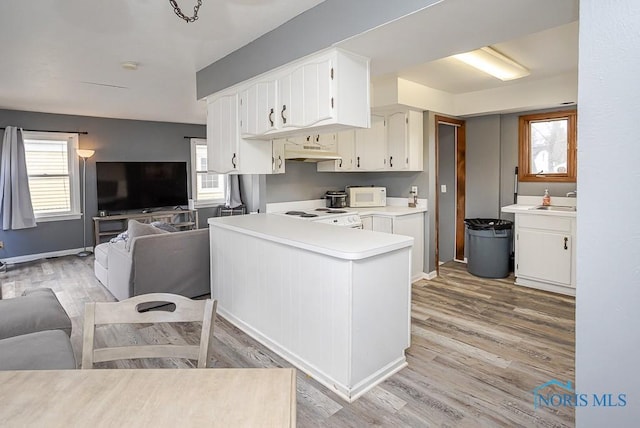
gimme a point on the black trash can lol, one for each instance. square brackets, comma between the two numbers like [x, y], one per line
[489, 247]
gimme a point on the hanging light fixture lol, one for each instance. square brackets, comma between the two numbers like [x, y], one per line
[494, 63]
[184, 17]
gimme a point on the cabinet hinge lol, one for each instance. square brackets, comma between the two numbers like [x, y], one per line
[406, 120]
[331, 73]
[240, 101]
[331, 102]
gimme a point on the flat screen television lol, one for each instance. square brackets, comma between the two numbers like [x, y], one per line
[126, 186]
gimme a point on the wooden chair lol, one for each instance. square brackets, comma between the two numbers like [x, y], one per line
[131, 311]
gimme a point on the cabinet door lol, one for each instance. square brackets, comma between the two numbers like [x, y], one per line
[383, 224]
[367, 222]
[346, 148]
[278, 156]
[258, 109]
[544, 255]
[222, 135]
[305, 95]
[397, 141]
[370, 146]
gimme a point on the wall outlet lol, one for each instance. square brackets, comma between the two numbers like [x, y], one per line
[443, 188]
[414, 190]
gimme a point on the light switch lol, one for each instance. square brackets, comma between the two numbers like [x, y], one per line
[443, 188]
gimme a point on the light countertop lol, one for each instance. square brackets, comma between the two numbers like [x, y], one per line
[334, 241]
[528, 204]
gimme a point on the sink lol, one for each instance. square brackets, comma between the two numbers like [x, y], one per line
[554, 208]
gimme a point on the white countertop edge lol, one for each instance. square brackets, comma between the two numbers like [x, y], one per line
[398, 242]
[395, 207]
[530, 209]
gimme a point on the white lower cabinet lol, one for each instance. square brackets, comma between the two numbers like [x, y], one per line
[545, 252]
[409, 225]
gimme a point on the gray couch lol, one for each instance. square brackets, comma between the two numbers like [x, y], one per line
[34, 332]
[175, 262]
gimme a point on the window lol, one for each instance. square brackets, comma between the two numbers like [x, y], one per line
[548, 147]
[207, 188]
[52, 167]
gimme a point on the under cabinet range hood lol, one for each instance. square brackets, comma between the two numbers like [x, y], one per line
[309, 150]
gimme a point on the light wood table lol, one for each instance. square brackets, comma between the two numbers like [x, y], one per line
[149, 397]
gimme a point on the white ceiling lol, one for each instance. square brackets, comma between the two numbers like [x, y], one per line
[546, 54]
[64, 56]
[67, 59]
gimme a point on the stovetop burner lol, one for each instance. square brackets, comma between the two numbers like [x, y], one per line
[305, 215]
[300, 213]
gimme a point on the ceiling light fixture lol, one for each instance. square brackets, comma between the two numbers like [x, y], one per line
[181, 15]
[494, 63]
[130, 65]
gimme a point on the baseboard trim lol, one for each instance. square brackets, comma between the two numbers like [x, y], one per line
[32, 257]
[428, 276]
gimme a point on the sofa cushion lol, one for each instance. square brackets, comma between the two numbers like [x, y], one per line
[136, 229]
[36, 310]
[43, 350]
[101, 252]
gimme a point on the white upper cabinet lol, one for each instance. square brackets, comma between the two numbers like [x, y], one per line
[371, 153]
[404, 141]
[258, 109]
[393, 143]
[227, 153]
[324, 92]
[222, 134]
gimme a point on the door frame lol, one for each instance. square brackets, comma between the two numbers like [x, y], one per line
[460, 142]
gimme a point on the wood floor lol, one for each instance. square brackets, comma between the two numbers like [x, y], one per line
[478, 349]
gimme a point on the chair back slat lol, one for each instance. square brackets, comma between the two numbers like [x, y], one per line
[130, 311]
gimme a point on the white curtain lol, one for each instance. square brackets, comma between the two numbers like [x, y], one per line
[233, 198]
[15, 200]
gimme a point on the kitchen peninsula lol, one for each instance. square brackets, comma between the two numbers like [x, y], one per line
[335, 302]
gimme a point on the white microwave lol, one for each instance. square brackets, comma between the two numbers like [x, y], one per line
[367, 196]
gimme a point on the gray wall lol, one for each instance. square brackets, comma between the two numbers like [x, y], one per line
[483, 167]
[303, 182]
[446, 201]
[113, 140]
[492, 155]
[608, 247]
[318, 28]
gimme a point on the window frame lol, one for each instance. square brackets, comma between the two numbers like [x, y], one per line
[524, 145]
[74, 212]
[205, 203]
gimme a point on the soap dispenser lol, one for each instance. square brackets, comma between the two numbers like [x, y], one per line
[546, 199]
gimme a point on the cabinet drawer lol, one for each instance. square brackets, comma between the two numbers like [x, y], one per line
[560, 224]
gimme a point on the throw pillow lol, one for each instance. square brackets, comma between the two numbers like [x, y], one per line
[121, 237]
[135, 229]
[164, 226]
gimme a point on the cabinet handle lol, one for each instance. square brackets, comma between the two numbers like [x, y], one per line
[271, 117]
[279, 162]
[340, 164]
[358, 159]
[284, 119]
[318, 138]
[233, 160]
[565, 243]
[391, 161]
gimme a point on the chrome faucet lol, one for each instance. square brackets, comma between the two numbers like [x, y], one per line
[573, 194]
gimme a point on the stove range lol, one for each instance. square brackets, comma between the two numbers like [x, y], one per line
[332, 216]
